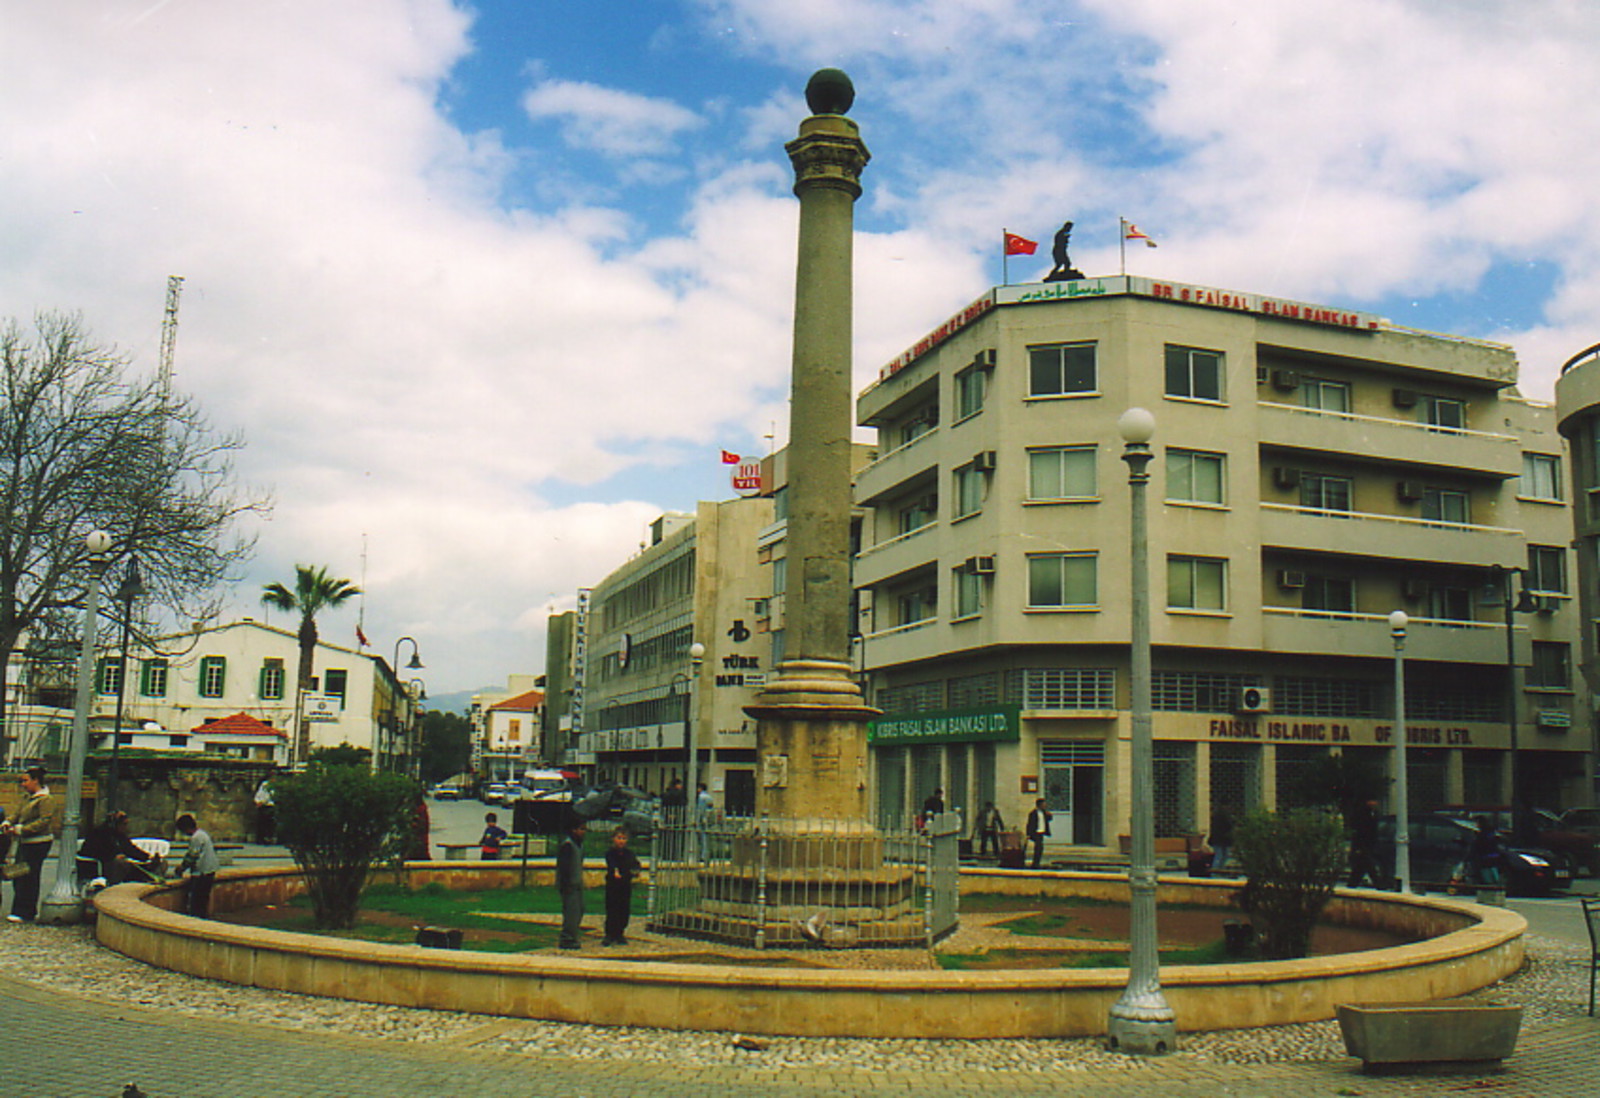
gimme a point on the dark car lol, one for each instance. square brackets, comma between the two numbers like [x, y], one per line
[1441, 853]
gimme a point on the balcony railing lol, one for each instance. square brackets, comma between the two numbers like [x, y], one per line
[1386, 421]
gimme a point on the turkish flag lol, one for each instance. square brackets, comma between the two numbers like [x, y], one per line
[730, 459]
[1019, 245]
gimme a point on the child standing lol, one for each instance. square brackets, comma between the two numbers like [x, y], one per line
[493, 837]
[621, 869]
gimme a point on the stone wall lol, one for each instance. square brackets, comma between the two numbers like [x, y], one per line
[154, 790]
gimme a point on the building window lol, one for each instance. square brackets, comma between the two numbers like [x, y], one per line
[213, 676]
[1445, 414]
[1541, 477]
[272, 679]
[1194, 477]
[108, 676]
[1325, 493]
[1062, 472]
[1547, 569]
[1197, 583]
[969, 486]
[1450, 603]
[1446, 505]
[972, 386]
[1194, 373]
[336, 684]
[514, 734]
[921, 512]
[1333, 594]
[1325, 396]
[153, 679]
[917, 605]
[1057, 580]
[968, 592]
[922, 421]
[1552, 666]
[1061, 369]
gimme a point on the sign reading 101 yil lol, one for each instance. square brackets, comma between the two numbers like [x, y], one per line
[1002, 722]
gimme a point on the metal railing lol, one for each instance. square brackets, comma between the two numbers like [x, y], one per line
[839, 883]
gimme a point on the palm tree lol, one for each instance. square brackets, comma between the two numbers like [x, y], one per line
[314, 591]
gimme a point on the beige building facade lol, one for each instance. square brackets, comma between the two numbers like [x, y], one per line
[1316, 469]
[642, 698]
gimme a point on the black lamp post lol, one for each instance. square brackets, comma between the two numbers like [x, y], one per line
[132, 587]
[414, 665]
[1523, 604]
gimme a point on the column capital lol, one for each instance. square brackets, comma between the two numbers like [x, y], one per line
[828, 153]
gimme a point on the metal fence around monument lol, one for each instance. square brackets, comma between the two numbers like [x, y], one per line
[842, 884]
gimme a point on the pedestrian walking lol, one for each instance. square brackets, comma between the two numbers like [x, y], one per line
[1221, 837]
[1038, 828]
[622, 869]
[1363, 826]
[989, 826]
[1487, 855]
[200, 863]
[569, 884]
[704, 810]
[37, 824]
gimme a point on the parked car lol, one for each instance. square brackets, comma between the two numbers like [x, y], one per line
[1577, 851]
[494, 793]
[445, 793]
[1441, 852]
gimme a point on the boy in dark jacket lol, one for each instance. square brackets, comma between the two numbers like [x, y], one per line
[621, 869]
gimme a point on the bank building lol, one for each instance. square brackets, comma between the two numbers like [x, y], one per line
[1314, 470]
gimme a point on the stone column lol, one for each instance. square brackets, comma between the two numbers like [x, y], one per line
[811, 718]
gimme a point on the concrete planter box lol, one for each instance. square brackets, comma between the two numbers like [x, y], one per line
[1438, 1032]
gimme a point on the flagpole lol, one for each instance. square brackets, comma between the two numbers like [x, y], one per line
[1005, 259]
[1122, 243]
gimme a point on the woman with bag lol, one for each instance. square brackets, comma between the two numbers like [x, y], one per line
[38, 823]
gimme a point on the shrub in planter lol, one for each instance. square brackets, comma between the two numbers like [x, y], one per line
[1292, 861]
[339, 822]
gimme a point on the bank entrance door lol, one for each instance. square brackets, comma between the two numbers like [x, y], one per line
[1073, 786]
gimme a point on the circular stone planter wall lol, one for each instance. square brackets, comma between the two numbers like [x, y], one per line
[1468, 948]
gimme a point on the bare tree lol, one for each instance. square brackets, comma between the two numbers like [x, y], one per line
[84, 445]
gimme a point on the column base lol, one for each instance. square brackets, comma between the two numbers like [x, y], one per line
[1142, 1036]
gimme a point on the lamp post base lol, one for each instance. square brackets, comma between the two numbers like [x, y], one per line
[61, 911]
[1142, 1036]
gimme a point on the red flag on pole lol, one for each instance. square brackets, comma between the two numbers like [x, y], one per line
[730, 458]
[1019, 245]
[361, 637]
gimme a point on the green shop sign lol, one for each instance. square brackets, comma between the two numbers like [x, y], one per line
[949, 726]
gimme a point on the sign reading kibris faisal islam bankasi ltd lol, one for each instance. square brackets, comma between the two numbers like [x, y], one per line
[1207, 297]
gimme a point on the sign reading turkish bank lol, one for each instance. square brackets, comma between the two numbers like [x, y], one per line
[1031, 293]
[996, 724]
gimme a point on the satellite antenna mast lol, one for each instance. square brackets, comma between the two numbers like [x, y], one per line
[169, 333]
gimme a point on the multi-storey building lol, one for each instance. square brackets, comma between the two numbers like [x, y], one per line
[1315, 469]
[487, 763]
[1578, 405]
[511, 733]
[190, 680]
[699, 581]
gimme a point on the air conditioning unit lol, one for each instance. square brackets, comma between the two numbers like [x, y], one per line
[984, 462]
[761, 609]
[983, 566]
[1414, 590]
[1285, 477]
[1404, 398]
[1255, 699]
[1261, 375]
[1546, 604]
[1409, 491]
[985, 359]
[1285, 381]
[1291, 581]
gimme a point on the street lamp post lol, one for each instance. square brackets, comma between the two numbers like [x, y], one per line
[414, 665]
[691, 769]
[1402, 794]
[1141, 1022]
[1524, 604]
[65, 904]
[132, 587]
[418, 691]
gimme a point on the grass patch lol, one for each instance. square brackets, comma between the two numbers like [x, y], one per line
[1213, 953]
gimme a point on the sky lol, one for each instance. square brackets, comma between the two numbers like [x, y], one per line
[488, 286]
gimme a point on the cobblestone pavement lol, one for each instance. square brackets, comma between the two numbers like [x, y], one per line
[80, 1022]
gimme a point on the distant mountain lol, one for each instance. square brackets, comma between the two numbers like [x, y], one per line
[458, 702]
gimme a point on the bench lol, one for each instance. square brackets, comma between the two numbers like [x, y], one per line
[456, 852]
[1389, 1036]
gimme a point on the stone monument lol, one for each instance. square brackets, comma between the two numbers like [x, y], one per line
[821, 862]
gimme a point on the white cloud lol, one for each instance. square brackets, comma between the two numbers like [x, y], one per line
[614, 122]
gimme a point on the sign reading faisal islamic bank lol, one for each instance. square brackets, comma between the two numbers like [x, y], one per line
[1034, 293]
